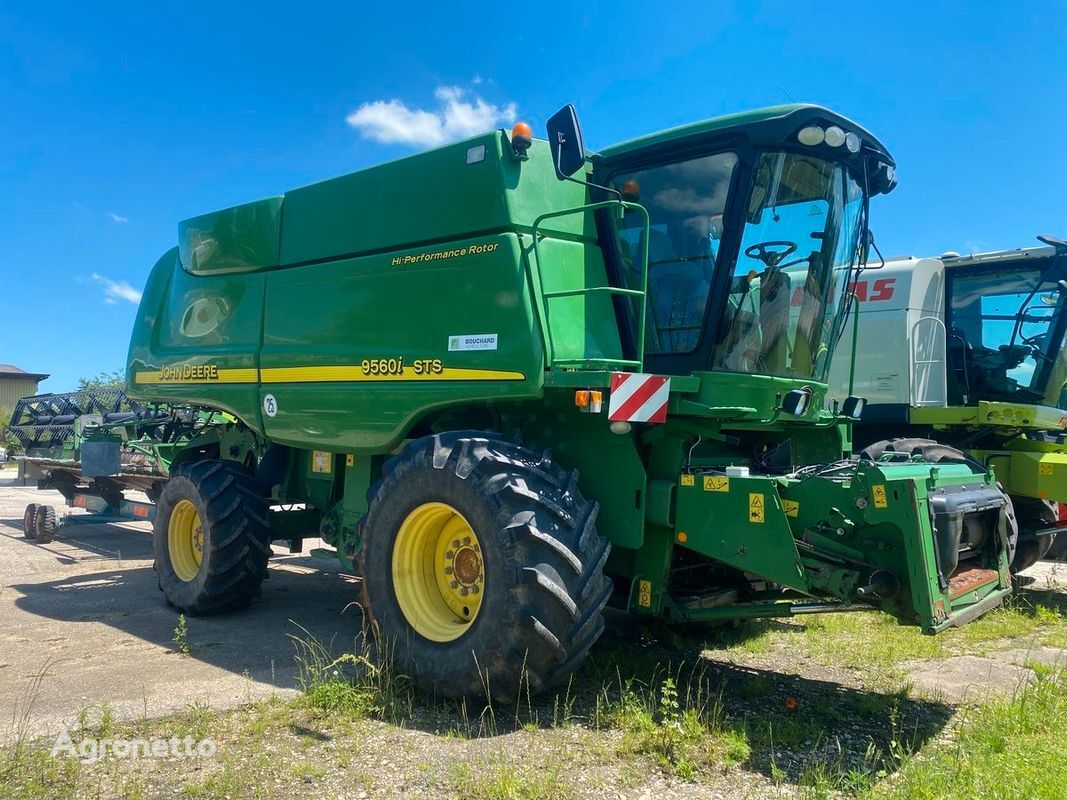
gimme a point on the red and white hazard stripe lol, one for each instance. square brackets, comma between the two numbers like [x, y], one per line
[638, 398]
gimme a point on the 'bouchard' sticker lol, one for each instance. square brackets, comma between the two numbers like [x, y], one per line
[475, 341]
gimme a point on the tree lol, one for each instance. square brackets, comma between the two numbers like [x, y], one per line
[7, 438]
[103, 380]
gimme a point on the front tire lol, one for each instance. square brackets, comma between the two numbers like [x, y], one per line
[29, 521]
[47, 524]
[511, 529]
[211, 538]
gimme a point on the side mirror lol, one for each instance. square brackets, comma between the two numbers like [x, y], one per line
[565, 139]
[853, 407]
[796, 402]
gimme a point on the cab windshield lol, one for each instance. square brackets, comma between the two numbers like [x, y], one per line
[1003, 337]
[783, 306]
[787, 291]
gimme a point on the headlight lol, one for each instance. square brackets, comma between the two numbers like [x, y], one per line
[811, 135]
[852, 142]
[835, 137]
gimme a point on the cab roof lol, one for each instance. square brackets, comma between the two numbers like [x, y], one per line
[782, 120]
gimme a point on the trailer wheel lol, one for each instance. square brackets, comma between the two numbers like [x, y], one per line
[1033, 515]
[211, 537]
[47, 523]
[482, 568]
[29, 521]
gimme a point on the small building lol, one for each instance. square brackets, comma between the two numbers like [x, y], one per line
[16, 384]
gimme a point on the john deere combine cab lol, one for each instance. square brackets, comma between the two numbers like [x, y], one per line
[510, 382]
[963, 357]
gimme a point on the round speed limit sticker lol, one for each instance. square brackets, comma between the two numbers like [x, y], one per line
[270, 405]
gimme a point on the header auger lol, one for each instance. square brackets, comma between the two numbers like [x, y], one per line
[511, 382]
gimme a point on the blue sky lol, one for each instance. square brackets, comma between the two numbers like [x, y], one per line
[116, 123]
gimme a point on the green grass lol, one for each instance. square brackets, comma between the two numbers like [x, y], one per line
[684, 734]
[28, 773]
[354, 683]
[876, 643]
[867, 641]
[500, 779]
[1009, 748]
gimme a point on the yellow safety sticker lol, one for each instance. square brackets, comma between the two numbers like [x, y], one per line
[350, 460]
[1044, 468]
[716, 483]
[791, 507]
[756, 508]
[321, 461]
[644, 594]
[880, 501]
[689, 480]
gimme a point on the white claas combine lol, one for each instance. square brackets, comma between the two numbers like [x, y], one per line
[963, 357]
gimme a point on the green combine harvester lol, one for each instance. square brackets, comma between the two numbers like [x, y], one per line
[510, 382]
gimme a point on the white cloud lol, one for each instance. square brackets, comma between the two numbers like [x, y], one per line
[117, 290]
[118, 218]
[393, 122]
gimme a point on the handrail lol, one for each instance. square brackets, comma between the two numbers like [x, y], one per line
[915, 362]
[610, 290]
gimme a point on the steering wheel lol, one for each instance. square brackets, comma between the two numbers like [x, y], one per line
[1037, 340]
[762, 251]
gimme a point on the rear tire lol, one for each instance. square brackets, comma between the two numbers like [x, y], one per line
[211, 538]
[47, 524]
[930, 450]
[29, 521]
[540, 567]
[1033, 515]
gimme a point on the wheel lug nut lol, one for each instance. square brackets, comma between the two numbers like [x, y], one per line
[464, 591]
[466, 540]
[455, 542]
[448, 570]
[450, 554]
[474, 589]
[454, 584]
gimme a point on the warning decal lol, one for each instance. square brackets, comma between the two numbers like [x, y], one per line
[321, 461]
[791, 507]
[644, 594]
[716, 483]
[880, 501]
[756, 508]
[689, 480]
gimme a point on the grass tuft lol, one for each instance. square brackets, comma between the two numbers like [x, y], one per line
[356, 683]
[1006, 748]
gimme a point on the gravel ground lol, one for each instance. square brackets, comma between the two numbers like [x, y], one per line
[82, 619]
[85, 612]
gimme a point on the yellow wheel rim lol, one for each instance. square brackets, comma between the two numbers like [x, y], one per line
[438, 572]
[185, 540]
